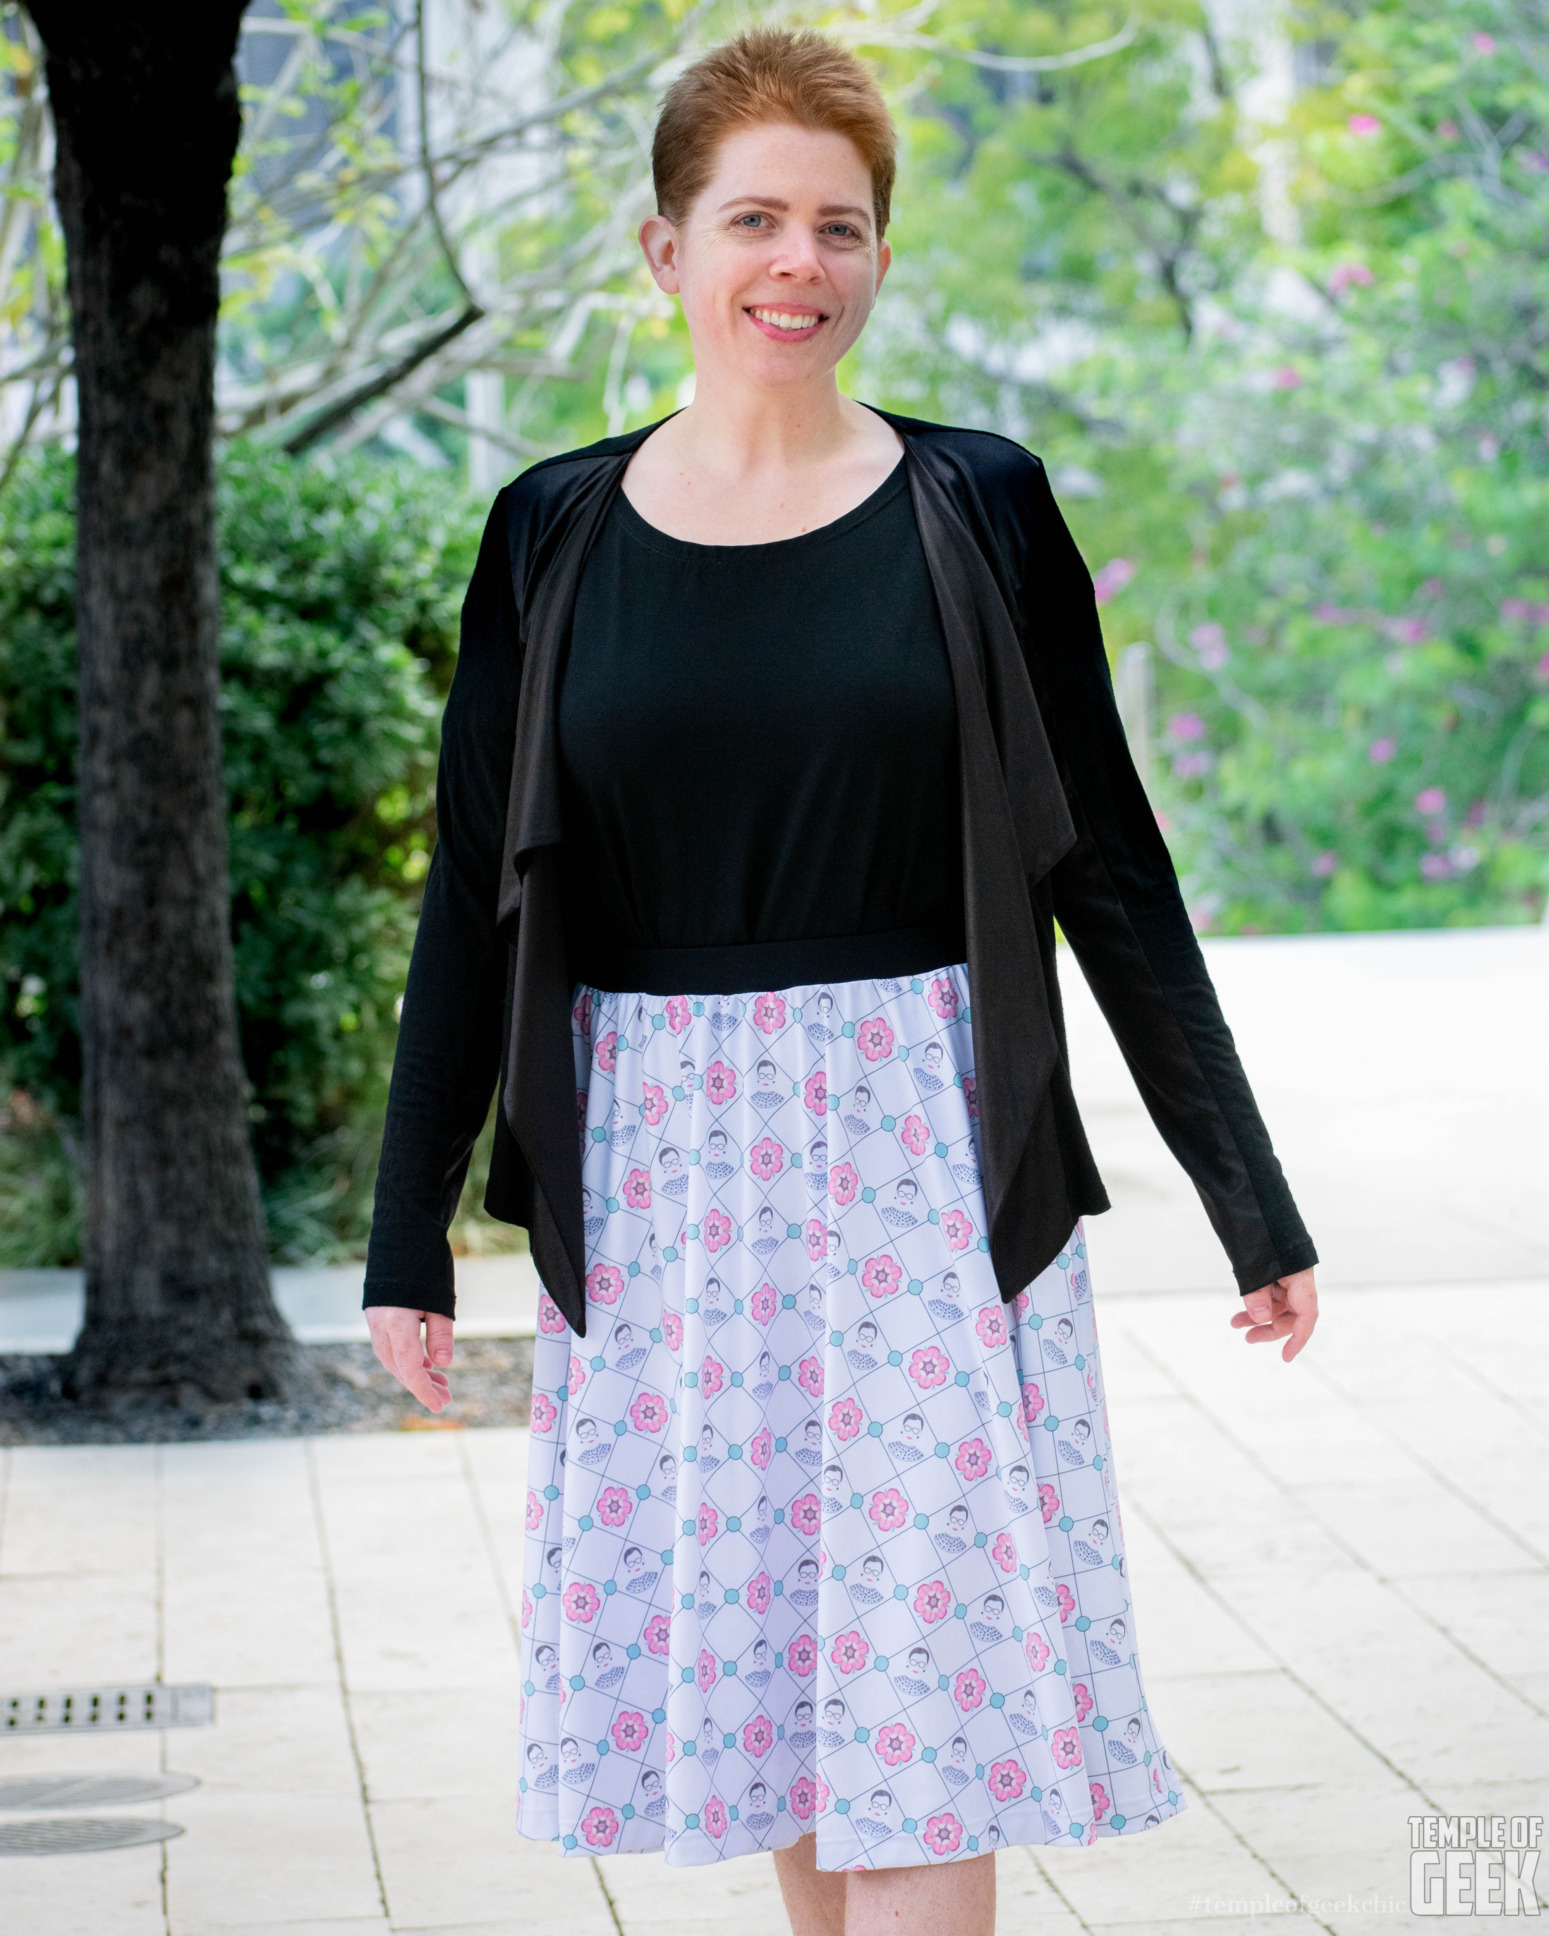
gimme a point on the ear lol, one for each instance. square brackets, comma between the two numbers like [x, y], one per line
[659, 240]
[884, 263]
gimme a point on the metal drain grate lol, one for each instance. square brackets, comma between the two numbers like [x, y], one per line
[83, 1710]
[89, 1791]
[80, 1834]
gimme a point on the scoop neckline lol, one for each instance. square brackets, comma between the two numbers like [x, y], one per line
[644, 532]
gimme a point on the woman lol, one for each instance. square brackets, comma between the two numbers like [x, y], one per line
[781, 735]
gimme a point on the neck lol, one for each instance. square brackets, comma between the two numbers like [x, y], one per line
[731, 431]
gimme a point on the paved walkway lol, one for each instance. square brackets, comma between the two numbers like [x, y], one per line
[1341, 1569]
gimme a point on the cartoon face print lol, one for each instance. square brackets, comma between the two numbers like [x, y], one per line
[623, 1336]
[812, 1433]
[537, 1760]
[569, 1752]
[1117, 1632]
[716, 1142]
[862, 1098]
[686, 1071]
[912, 1427]
[952, 1285]
[1030, 1704]
[1017, 1479]
[704, 1584]
[871, 1568]
[670, 1159]
[586, 1431]
[1081, 1431]
[825, 1007]
[758, 1797]
[762, 1509]
[706, 1439]
[919, 1661]
[833, 1480]
[588, 1202]
[932, 1057]
[551, 1560]
[765, 1367]
[819, 1156]
[544, 1658]
[1064, 1331]
[651, 1782]
[833, 1712]
[713, 1289]
[803, 1714]
[807, 1572]
[634, 1560]
[906, 1193]
[1099, 1531]
[865, 1335]
[707, 1733]
[814, 1296]
[1132, 1731]
[766, 1073]
[833, 1243]
[959, 1752]
[602, 1656]
[994, 1606]
[881, 1802]
[760, 1653]
[667, 1466]
[957, 1518]
[766, 1222]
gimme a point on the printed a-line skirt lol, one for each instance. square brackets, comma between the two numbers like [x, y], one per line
[821, 1534]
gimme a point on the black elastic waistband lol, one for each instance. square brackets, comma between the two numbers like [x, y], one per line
[755, 965]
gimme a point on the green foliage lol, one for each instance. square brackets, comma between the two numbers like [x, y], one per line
[341, 584]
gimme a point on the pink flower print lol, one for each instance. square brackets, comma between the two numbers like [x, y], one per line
[580, 1113]
[1067, 1601]
[943, 1834]
[1049, 1502]
[605, 1283]
[720, 1083]
[814, 1092]
[614, 1505]
[1100, 1802]
[653, 1102]
[1007, 1780]
[649, 1412]
[958, 1229]
[658, 1633]
[971, 1097]
[942, 997]
[543, 1412]
[706, 1671]
[581, 1014]
[762, 1304]
[712, 1375]
[769, 1013]
[758, 1736]
[766, 1159]
[759, 1592]
[807, 1514]
[1037, 1650]
[850, 1652]
[637, 1190]
[713, 1815]
[534, 1511]
[761, 1448]
[843, 1184]
[1004, 1553]
[810, 1377]
[846, 1418]
[715, 1228]
[630, 1732]
[1065, 1746]
[895, 1744]
[551, 1320]
[915, 1135]
[803, 1797]
[1019, 1420]
[526, 1621]
[968, 1689]
[973, 1459]
[607, 1052]
[600, 1827]
[816, 1233]
[677, 1013]
[581, 1603]
[575, 1377]
[991, 1322]
[801, 1657]
[881, 1276]
[874, 1039]
[889, 1509]
[1032, 1403]
[822, 1797]
[672, 1330]
[1084, 1702]
[929, 1366]
[932, 1602]
[709, 1524]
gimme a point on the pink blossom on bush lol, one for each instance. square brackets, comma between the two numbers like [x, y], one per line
[769, 1013]
[895, 1744]
[1381, 751]
[850, 1652]
[1364, 126]
[581, 1602]
[1430, 800]
[543, 1412]
[1186, 726]
[809, 1376]
[973, 1459]
[1065, 1746]
[881, 1276]
[1007, 1780]
[630, 1732]
[889, 1509]
[968, 1690]
[846, 1418]
[649, 1412]
[614, 1505]
[766, 1159]
[600, 1827]
[637, 1189]
[875, 1039]
[1285, 378]
[720, 1084]
[929, 1366]
[1484, 43]
[1326, 864]
[943, 1834]
[1111, 579]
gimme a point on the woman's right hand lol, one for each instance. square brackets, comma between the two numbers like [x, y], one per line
[415, 1363]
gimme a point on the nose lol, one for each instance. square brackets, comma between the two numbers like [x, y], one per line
[797, 259]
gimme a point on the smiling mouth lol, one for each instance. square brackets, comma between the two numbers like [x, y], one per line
[789, 322]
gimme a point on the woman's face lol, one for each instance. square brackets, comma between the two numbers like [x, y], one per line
[784, 227]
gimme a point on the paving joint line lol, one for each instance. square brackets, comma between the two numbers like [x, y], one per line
[1293, 1894]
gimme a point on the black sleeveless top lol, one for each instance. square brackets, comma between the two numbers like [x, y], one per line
[759, 759]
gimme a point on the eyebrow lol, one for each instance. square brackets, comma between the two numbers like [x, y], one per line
[773, 201]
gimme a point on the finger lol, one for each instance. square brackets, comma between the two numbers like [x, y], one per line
[391, 1327]
[1267, 1333]
[438, 1338]
[1301, 1330]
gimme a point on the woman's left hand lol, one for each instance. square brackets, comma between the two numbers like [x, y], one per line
[1287, 1309]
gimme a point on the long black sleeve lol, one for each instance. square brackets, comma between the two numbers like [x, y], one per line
[1116, 896]
[449, 1035]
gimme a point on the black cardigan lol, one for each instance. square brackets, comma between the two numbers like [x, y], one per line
[1056, 826]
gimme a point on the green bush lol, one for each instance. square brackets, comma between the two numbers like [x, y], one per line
[341, 584]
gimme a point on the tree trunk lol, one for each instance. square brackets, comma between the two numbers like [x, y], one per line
[178, 1305]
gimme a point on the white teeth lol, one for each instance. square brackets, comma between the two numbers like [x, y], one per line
[781, 320]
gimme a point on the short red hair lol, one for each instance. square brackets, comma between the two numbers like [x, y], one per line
[769, 74]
